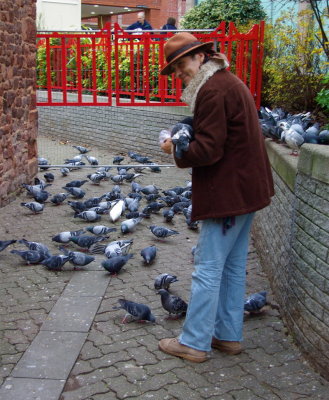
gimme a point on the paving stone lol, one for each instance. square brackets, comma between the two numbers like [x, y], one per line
[50, 356]
[72, 314]
[31, 389]
[87, 284]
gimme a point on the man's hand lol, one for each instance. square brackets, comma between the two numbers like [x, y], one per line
[167, 146]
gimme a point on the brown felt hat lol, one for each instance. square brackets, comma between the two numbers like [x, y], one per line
[179, 46]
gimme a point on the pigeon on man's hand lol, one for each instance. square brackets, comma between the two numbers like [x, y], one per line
[148, 254]
[163, 281]
[5, 243]
[173, 304]
[255, 302]
[181, 136]
[113, 265]
[138, 312]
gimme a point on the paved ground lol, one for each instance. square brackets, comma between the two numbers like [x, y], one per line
[61, 338]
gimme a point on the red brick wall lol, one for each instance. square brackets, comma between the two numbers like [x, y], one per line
[18, 113]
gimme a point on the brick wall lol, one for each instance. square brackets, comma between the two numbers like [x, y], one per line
[292, 239]
[18, 114]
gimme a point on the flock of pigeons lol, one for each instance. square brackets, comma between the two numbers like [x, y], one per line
[116, 206]
[291, 129]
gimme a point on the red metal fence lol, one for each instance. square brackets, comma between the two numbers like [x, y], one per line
[116, 67]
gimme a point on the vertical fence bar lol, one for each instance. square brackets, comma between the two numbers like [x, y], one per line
[79, 66]
[48, 71]
[63, 80]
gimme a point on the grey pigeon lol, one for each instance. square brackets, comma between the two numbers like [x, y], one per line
[30, 256]
[113, 249]
[6, 243]
[88, 215]
[64, 171]
[148, 254]
[117, 159]
[149, 189]
[78, 258]
[64, 237]
[173, 304]
[163, 281]
[92, 160]
[86, 241]
[34, 206]
[43, 163]
[153, 207]
[59, 198]
[76, 183]
[96, 178]
[41, 196]
[55, 263]
[81, 149]
[76, 192]
[168, 215]
[139, 312]
[136, 187]
[77, 206]
[255, 302]
[49, 177]
[181, 135]
[162, 232]
[100, 229]
[40, 247]
[129, 225]
[113, 265]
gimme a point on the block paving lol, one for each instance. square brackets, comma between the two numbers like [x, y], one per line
[61, 339]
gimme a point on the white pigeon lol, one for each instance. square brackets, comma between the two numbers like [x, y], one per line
[117, 210]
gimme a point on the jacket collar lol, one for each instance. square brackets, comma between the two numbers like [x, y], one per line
[206, 71]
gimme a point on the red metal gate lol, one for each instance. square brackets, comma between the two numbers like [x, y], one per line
[113, 67]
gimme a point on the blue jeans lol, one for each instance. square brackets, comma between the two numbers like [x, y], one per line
[218, 284]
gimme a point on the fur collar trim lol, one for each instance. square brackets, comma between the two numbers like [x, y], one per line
[206, 71]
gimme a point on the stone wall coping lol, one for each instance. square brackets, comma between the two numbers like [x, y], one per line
[314, 161]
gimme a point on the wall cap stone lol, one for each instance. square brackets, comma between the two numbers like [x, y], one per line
[314, 161]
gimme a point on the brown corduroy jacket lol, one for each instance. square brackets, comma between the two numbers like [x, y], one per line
[231, 171]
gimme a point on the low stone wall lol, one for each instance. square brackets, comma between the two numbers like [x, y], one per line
[119, 129]
[292, 239]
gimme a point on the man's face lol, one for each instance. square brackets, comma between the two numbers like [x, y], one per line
[187, 67]
[140, 18]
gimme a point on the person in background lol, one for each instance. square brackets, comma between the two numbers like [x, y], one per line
[231, 179]
[140, 24]
[170, 25]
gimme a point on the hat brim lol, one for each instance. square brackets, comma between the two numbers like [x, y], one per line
[167, 70]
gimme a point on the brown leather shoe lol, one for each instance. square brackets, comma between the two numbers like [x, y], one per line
[226, 346]
[173, 347]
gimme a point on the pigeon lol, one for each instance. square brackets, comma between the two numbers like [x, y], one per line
[55, 263]
[133, 204]
[293, 139]
[113, 265]
[168, 215]
[162, 232]
[181, 136]
[43, 163]
[41, 196]
[129, 225]
[5, 243]
[117, 210]
[154, 167]
[93, 201]
[81, 149]
[100, 229]
[148, 254]
[34, 206]
[92, 160]
[30, 256]
[89, 215]
[136, 187]
[86, 241]
[139, 312]
[96, 178]
[149, 189]
[324, 137]
[64, 237]
[118, 159]
[76, 183]
[58, 198]
[78, 258]
[154, 207]
[32, 189]
[173, 304]
[76, 192]
[152, 197]
[255, 302]
[77, 206]
[142, 159]
[163, 281]
[117, 178]
[49, 177]
[40, 247]
[113, 249]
